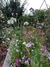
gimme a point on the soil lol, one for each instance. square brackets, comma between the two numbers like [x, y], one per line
[1, 64]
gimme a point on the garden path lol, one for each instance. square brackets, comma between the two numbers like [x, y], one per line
[6, 64]
[6, 60]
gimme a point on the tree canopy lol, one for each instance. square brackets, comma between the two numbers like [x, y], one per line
[12, 8]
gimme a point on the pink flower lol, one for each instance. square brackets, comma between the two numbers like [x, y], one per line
[24, 58]
[43, 48]
[15, 64]
[46, 38]
[17, 60]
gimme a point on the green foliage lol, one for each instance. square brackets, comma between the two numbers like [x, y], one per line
[34, 53]
[41, 16]
[13, 7]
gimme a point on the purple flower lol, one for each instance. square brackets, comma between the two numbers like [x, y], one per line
[48, 55]
[15, 64]
[26, 61]
[29, 44]
[24, 58]
[17, 60]
[43, 48]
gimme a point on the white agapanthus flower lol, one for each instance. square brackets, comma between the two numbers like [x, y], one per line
[11, 21]
[26, 23]
[12, 18]
[8, 22]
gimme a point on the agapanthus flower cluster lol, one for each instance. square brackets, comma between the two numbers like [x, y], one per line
[11, 21]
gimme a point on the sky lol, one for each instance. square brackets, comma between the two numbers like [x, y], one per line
[35, 4]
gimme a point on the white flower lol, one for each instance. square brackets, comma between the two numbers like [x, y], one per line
[3, 41]
[26, 62]
[26, 23]
[12, 22]
[17, 50]
[12, 14]
[8, 38]
[16, 45]
[48, 55]
[14, 19]
[11, 18]
[24, 43]
[17, 40]
[9, 32]
[7, 49]
[24, 58]
[8, 22]
[4, 36]
[42, 24]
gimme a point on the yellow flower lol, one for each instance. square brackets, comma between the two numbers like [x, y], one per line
[32, 31]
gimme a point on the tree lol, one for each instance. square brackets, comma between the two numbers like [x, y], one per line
[12, 8]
